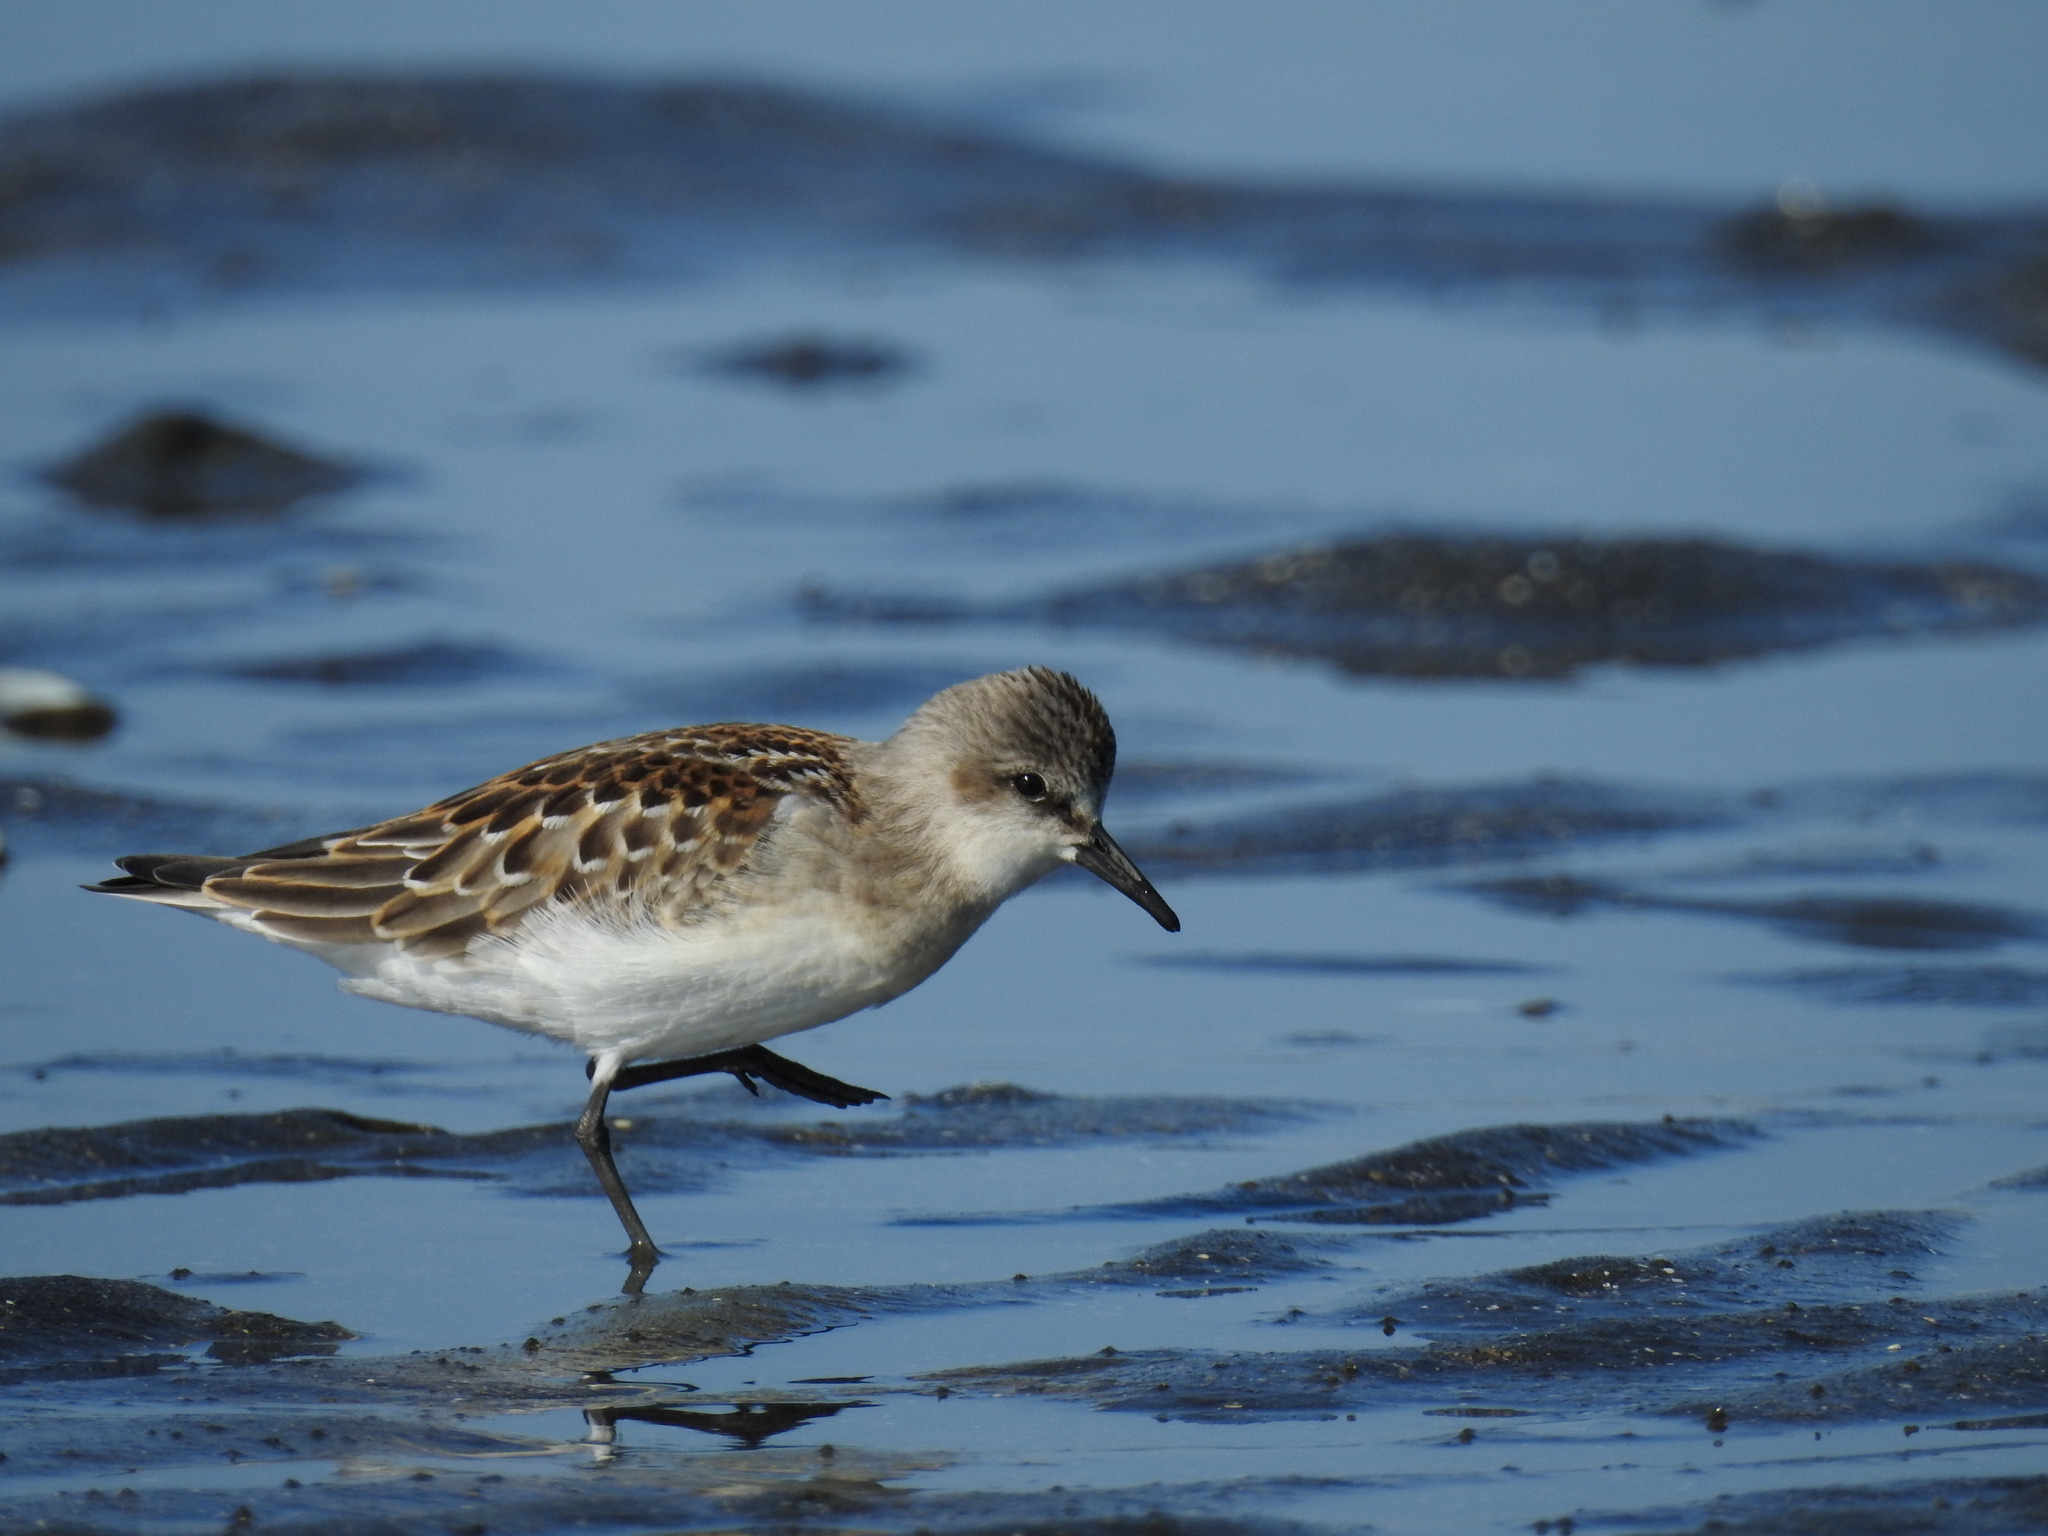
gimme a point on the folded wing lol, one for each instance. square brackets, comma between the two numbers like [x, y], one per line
[651, 824]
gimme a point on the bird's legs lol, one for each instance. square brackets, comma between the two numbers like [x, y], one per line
[746, 1064]
[594, 1136]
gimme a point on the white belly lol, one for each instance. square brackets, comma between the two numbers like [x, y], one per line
[650, 993]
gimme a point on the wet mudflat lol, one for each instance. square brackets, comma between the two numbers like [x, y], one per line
[1574, 658]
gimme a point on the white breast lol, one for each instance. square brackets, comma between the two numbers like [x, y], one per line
[654, 993]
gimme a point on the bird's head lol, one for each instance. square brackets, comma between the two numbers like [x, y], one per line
[1017, 765]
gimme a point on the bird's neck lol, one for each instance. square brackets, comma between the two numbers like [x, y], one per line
[926, 833]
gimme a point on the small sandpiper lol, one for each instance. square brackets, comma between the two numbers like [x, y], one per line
[667, 902]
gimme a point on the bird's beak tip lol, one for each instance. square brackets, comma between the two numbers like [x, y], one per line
[1101, 857]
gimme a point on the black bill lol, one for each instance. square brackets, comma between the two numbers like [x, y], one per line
[1101, 856]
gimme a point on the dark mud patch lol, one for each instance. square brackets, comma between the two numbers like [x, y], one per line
[1860, 922]
[433, 663]
[1424, 828]
[1438, 1180]
[1913, 1358]
[296, 182]
[1957, 1357]
[1962, 1506]
[59, 1165]
[657, 1150]
[1614, 1334]
[770, 1489]
[1819, 241]
[812, 361]
[185, 464]
[75, 1444]
[1945, 986]
[1510, 607]
[68, 1326]
[1346, 965]
[1821, 1260]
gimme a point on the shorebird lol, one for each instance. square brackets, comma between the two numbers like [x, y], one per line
[667, 902]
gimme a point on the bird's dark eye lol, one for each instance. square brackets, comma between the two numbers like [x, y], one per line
[1029, 785]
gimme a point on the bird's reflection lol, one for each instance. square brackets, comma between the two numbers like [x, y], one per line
[746, 1424]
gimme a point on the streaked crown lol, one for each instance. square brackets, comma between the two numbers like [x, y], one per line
[1033, 719]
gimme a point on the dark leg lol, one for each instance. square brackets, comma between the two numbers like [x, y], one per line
[746, 1064]
[594, 1136]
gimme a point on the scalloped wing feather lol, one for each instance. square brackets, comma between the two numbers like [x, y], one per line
[652, 824]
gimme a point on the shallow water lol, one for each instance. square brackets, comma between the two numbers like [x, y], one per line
[1789, 895]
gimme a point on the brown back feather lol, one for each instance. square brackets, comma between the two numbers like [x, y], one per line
[654, 823]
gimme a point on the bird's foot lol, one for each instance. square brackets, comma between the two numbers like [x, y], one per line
[640, 1261]
[748, 1063]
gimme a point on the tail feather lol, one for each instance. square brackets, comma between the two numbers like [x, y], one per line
[176, 879]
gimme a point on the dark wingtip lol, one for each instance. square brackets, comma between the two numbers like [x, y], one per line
[120, 885]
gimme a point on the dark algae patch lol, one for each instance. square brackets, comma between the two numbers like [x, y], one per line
[1429, 605]
[183, 464]
[69, 1326]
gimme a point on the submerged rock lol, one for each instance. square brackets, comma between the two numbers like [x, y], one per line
[51, 707]
[183, 464]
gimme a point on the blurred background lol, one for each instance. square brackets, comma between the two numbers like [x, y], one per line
[1553, 498]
